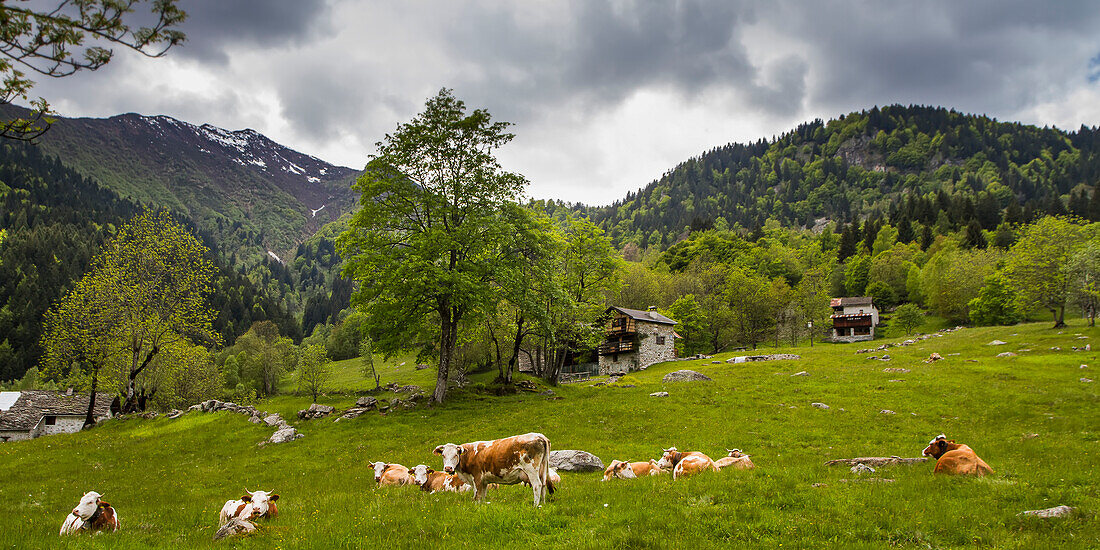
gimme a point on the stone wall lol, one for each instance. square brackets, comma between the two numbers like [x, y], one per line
[14, 435]
[649, 351]
[62, 425]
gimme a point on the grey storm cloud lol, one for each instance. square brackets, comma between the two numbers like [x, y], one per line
[214, 25]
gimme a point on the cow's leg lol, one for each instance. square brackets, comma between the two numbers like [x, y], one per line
[479, 490]
[538, 483]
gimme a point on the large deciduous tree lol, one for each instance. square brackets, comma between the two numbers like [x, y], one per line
[1035, 266]
[146, 291]
[424, 245]
[69, 36]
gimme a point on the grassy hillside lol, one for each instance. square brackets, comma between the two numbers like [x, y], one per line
[168, 478]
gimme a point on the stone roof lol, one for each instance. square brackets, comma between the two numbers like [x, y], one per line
[851, 301]
[647, 316]
[31, 405]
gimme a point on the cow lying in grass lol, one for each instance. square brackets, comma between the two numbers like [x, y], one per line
[685, 463]
[517, 459]
[631, 470]
[736, 460]
[91, 515]
[390, 474]
[433, 482]
[250, 507]
[955, 458]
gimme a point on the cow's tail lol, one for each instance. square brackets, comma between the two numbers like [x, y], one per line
[545, 468]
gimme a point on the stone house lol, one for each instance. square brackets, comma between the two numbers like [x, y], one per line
[636, 339]
[854, 319]
[32, 413]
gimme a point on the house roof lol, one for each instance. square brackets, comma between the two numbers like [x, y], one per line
[851, 301]
[647, 316]
[30, 406]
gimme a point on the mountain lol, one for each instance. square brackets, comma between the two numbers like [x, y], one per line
[918, 163]
[256, 197]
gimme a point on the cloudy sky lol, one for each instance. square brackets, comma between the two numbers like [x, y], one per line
[605, 96]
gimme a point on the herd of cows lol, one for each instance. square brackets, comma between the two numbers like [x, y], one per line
[481, 465]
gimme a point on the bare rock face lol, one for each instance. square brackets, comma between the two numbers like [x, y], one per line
[575, 461]
[284, 435]
[1056, 512]
[235, 526]
[316, 411]
[685, 376]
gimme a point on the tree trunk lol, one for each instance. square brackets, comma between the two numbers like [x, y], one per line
[447, 328]
[1059, 317]
[517, 344]
[89, 419]
[131, 404]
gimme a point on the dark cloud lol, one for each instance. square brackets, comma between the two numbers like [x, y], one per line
[212, 26]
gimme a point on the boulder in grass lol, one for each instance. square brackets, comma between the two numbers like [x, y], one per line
[284, 435]
[659, 394]
[316, 411]
[235, 526]
[273, 419]
[685, 376]
[367, 402]
[820, 406]
[997, 343]
[1056, 512]
[575, 461]
[801, 373]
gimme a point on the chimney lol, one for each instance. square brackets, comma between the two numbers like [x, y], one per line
[69, 391]
[653, 309]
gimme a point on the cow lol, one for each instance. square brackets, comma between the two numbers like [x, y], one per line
[736, 459]
[250, 507]
[390, 474]
[516, 459]
[631, 470]
[93, 515]
[685, 463]
[955, 458]
[432, 481]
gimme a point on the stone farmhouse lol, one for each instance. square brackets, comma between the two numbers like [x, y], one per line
[636, 339]
[854, 319]
[32, 413]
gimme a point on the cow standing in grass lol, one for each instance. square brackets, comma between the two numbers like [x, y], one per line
[955, 458]
[389, 474]
[736, 460]
[516, 459]
[685, 463]
[91, 515]
[250, 507]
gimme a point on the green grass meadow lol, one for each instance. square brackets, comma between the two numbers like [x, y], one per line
[169, 478]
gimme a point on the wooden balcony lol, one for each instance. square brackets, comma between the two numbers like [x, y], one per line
[620, 325]
[608, 348]
[851, 321]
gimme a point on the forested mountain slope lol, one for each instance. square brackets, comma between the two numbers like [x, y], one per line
[250, 193]
[53, 221]
[916, 161]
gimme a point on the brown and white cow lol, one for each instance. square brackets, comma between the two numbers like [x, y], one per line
[736, 460]
[631, 470]
[432, 481]
[685, 463]
[91, 515]
[250, 507]
[390, 474]
[516, 459]
[955, 458]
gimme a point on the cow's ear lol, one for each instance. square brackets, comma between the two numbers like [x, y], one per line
[462, 450]
[438, 450]
[246, 498]
[273, 498]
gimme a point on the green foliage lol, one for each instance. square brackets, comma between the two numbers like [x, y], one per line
[857, 273]
[687, 312]
[908, 317]
[882, 293]
[953, 277]
[1034, 266]
[313, 370]
[263, 356]
[995, 305]
[1083, 276]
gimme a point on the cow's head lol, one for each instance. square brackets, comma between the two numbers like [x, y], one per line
[669, 458]
[624, 471]
[262, 502]
[451, 454]
[88, 505]
[609, 472]
[378, 468]
[735, 453]
[937, 447]
[420, 474]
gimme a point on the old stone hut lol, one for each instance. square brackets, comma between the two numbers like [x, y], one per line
[636, 339]
[854, 319]
[32, 413]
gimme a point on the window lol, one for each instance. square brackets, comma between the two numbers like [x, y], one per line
[660, 340]
[51, 420]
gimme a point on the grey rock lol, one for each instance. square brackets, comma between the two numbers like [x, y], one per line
[820, 405]
[659, 394]
[174, 413]
[421, 366]
[996, 343]
[801, 373]
[284, 435]
[197, 407]
[316, 411]
[367, 402]
[860, 469]
[354, 412]
[1086, 380]
[547, 393]
[887, 411]
[1056, 512]
[1006, 354]
[255, 419]
[235, 526]
[685, 376]
[896, 369]
[575, 461]
[273, 419]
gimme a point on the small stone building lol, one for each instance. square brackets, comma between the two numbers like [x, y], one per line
[636, 339]
[854, 319]
[32, 413]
